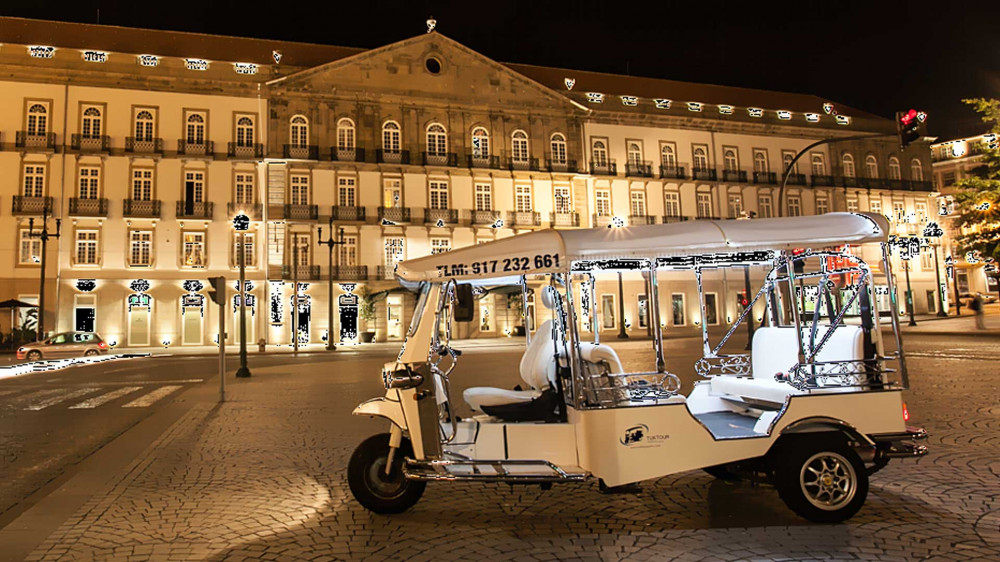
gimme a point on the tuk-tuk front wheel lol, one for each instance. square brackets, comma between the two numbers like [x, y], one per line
[376, 488]
[823, 480]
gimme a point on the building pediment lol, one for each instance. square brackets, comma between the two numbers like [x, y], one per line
[429, 68]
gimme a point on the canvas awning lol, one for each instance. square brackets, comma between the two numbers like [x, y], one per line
[553, 251]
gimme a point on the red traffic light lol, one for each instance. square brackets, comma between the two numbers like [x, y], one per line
[908, 117]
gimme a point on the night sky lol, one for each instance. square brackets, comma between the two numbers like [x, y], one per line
[877, 56]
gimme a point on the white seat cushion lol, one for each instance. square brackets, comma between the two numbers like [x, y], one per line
[479, 396]
[771, 391]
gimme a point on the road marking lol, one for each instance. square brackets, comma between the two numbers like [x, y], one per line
[20, 400]
[6, 392]
[154, 382]
[152, 397]
[60, 398]
[105, 398]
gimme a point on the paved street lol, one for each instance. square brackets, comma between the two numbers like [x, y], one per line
[263, 475]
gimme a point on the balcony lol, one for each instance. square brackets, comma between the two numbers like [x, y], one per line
[600, 221]
[300, 151]
[347, 154]
[604, 168]
[526, 165]
[672, 171]
[301, 272]
[643, 169]
[101, 143]
[486, 162]
[385, 272]
[195, 209]
[88, 207]
[561, 165]
[394, 214]
[848, 181]
[388, 157]
[252, 210]
[137, 208]
[796, 179]
[707, 218]
[707, 174]
[301, 212]
[440, 159]
[525, 218]
[734, 176]
[346, 213]
[765, 178]
[350, 272]
[570, 218]
[31, 205]
[822, 179]
[641, 219]
[245, 150]
[668, 219]
[442, 216]
[204, 148]
[870, 183]
[893, 184]
[44, 141]
[484, 218]
[919, 185]
[143, 146]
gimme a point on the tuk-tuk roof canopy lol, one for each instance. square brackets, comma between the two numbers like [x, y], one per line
[553, 251]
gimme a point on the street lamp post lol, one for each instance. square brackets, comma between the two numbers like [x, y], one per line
[330, 243]
[621, 309]
[241, 223]
[909, 293]
[44, 236]
[295, 296]
[937, 276]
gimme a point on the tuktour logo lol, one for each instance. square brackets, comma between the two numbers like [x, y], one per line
[639, 436]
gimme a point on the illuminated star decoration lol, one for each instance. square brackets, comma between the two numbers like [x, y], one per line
[86, 285]
[991, 140]
[616, 222]
[439, 223]
[932, 230]
[828, 108]
[943, 209]
[570, 82]
[921, 116]
[387, 222]
[972, 257]
[276, 55]
[497, 224]
[431, 24]
[984, 206]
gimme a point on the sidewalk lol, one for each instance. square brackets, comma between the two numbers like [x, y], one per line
[964, 325]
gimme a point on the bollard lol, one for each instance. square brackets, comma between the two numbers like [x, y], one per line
[261, 345]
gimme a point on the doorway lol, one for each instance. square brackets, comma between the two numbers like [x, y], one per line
[139, 306]
[85, 313]
[348, 308]
[394, 317]
[305, 315]
[193, 316]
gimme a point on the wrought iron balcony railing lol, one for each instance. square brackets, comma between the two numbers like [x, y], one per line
[440, 159]
[675, 171]
[570, 218]
[484, 218]
[355, 154]
[561, 165]
[735, 176]
[143, 146]
[707, 174]
[195, 209]
[88, 207]
[204, 148]
[301, 212]
[444, 216]
[822, 179]
[31, 205]
[642, 169]
[796, 179]
[488, 162]
[848, 181]
[641, 219]
[525, 218]
[252, 210]
[301, 151]
[919, 185]
[237, 150]
[604, 167]
[348, 213]
[100, 143]
[46, 141]
[392, 157]
[139, 208]
[765, 178]
[394, 214]
[526, 164]
[667, 219]
[350, 272]
[303, 272]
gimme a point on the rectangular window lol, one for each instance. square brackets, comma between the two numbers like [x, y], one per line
[794, 206]
[764, 206]
[439, 195]
[602, 202]
[711, 309]
[563, 200]
[37, 119]
[730, 158]
[194, 186]
[735, 205]
[818, 162]
[607, 312]
[86, 246]
[395, 252]
[704, 205]
[194, 249]
[948, 178]
[931, 301]
[392, 193]
[349, 250]
[926, 259]
[142, 184]
[440, 245]
[699, 153]
[301, 248]
[921, 211]
[34, 180]
[672, 203]
[875, 205]
[642, 310]
[347, 194]
[89, 182]
[248, 250]
[299, 184]
[899, 211]
[484, 197]
[140, 248]
[31, 249]
[677, 307]
[91, 123]
[637, 201]
[522, 198]
[244, 188]
[852, 205]
[822, 205]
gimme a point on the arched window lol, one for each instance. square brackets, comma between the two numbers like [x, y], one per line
[437, 140]
[600, 153]
[345, 134]
[38, 119]
[894, 171]
[390, 137]
[480, 143]
[818, 165]
[700, 159]
[760, 161]
[558, 143]
[244, 131]
[299, 131]
[144, 126]
[195, 129]
[916, 170]
[634, 154]
[848, 165]
[871, 167]
[519, 146]
[91, 127]
[668, 157]
[730, 161]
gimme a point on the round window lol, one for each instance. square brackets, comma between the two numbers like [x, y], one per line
[433, 65]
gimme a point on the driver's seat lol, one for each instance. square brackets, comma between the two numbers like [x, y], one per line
[538, 371]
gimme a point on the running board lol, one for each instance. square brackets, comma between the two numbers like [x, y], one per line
[521, 471]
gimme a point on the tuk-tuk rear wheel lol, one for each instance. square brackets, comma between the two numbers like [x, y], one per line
[821, 478]
[372, 487]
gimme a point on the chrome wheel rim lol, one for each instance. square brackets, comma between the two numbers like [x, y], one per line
[828, 481]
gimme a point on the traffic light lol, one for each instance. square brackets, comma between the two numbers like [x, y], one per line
[218, 291]
[907, 124]
[744, 301]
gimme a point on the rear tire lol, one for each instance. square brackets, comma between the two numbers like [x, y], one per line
[821, 479]
[34, 355]
[372, 487]
[90, 353]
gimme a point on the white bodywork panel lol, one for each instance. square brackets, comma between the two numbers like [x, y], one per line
[387, 407]
[553, 442]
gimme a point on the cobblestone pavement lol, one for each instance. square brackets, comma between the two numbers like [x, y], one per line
[262, 477]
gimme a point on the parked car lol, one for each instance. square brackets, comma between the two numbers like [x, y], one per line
[66, 344]
[967, 298]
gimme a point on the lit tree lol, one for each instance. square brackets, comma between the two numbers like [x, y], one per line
[978, 198]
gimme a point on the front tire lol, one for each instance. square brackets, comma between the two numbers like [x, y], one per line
[372, 487]
[34, 355]
[823, 480]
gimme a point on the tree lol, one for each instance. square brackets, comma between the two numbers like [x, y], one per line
[978, 198]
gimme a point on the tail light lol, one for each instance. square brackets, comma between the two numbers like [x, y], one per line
[102, 345]
[906, 413]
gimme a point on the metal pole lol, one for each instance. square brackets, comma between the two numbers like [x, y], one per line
[746, 285]
[330, 346]
[222, 342]
[621, 309]
[295, 296]
[938, 289]
[243, 371]
[40, 325]
[909, 293]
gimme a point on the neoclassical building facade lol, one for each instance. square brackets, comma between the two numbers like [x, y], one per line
[145, 144]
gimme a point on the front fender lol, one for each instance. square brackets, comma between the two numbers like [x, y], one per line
[383, 407]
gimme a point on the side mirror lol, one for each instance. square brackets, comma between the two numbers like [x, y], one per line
[465, 309]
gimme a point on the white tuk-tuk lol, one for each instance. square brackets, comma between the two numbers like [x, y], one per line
[814, 408]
